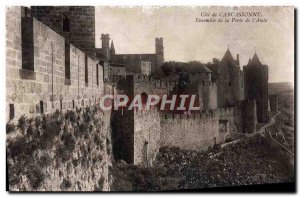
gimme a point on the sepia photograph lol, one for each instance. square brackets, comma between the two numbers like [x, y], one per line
[150, 98]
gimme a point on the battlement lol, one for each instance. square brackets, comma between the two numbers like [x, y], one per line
[150, 80]
[207, 84]
[105, 36]
[152, 112]
[227, 111]
[198, 116]
[159, 40]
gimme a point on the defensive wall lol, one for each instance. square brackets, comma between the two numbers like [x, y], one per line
[43, 73]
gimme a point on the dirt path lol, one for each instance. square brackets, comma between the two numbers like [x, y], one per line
[262, 130]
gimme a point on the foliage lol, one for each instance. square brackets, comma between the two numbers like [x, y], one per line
[65, 184]
[29, 153]
[10, 127]
[252, 161]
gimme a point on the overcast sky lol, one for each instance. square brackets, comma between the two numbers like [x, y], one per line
[133, 30]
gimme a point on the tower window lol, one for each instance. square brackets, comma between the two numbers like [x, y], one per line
[97, 74]
[11, 111]
[229, 84]
[61, 104]
[42, 106]
[86, 77]
[66, 24]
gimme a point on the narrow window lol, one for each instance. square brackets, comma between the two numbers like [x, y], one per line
[229, 84]
[61, 106]
[97, 74]
[73, 102]
[42, 106]
[86, 72]
[67, 64]
[66, 24]
[11, 111]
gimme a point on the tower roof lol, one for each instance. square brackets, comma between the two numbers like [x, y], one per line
[112, 45]
[227, 56]
[255, 59]
[249, 61]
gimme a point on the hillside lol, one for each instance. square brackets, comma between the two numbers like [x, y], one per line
[279, 88]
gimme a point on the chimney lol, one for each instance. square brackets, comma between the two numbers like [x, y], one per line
[238, 59]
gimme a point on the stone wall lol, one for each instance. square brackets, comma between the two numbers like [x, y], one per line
[133, 61]
[249, 116]
[81, 20]
[146, 68]
[49, 85]
[196, 132]
[36, 80]
[209, 94]
[146, 136]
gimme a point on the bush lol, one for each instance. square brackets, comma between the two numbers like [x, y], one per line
[35, 176]
[70, 115]
[101, 182]
[10, 127]
[97, 140]
[65, 184]
[45, 160]
[22, 123]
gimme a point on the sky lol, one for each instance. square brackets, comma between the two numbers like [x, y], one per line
[134, 29]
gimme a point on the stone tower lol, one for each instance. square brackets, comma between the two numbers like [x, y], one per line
[229, 81]
[105, 46]
[159, 51]
[256, 86]
[105, 56]
[75, 23]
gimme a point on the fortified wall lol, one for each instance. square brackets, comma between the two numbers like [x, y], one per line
[208, 91]
[195, 132]
[42, 75]
[136, 133]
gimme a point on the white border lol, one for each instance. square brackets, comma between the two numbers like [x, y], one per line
[110, 2]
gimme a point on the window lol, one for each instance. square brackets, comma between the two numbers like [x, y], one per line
[73, 102]
[42, 106]
[11, 111]
[66, 24]
[97, 74]
[61, 104]
[229, 84]
[86, 77]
